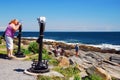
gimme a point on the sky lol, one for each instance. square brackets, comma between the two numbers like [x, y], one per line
[62, 15]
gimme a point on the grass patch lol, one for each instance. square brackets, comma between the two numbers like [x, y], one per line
[50, 78]
[32, 57]
[3, 49]
[3, 52]
[2, 46]
[67, 72]
[45, 55]
[94, 77]
[43, 78]
[53, 62]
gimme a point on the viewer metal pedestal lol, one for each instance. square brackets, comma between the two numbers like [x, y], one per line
[19, 54]
[40, 66]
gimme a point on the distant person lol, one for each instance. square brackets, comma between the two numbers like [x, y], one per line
[77, 49]
[12, 27]
[60, 50]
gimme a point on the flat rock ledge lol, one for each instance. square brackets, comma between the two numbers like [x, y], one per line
[50, 74]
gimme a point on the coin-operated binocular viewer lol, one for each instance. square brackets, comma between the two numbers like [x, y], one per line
[19, 54]
[40, 66]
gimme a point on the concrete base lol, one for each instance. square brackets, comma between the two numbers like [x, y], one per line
[22, 58]
[51, 73]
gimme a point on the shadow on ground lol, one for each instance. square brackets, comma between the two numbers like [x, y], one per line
[3, 56]
[19, 70]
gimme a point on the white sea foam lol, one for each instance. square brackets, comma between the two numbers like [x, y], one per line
[51, 40]
[30, 37]
[107, 46]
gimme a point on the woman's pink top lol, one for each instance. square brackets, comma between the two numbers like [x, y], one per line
[9, 31]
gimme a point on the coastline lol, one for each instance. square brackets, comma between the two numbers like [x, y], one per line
[106, 48]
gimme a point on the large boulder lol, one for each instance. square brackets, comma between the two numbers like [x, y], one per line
[115, 59]
[68, 53]
[98, 71]
[63, 61]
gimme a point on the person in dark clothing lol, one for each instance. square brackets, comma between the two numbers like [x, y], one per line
[77, 49]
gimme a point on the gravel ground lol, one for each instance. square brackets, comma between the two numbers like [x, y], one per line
[14, 70]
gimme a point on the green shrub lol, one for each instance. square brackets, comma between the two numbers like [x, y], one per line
[44, 51]
[33, 47]
[25, 51]
[114, 78]
[86, 78]
[0, 39]
[77, 77]
[93, 77]
[45, 55]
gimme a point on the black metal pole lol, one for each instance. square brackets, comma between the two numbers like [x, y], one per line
[42, 26]
[19, 53]
[19, 39]
[40, 66]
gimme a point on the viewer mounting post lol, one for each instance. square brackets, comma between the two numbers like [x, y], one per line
[40, 66]
[19, 53]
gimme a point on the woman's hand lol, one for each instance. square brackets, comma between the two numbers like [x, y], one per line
[20, 24]
[16, 27]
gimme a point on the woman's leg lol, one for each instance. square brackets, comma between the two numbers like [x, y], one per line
[9, 45]
[8, 52]
[11, 53]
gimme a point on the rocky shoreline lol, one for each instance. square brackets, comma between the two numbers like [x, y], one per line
[91, 59]
[82, 47]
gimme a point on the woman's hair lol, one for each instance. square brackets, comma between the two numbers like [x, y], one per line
[13, 21]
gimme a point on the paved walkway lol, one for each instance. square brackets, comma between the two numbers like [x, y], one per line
[14, 70]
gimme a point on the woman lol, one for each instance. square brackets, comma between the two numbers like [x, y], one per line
[12, 27]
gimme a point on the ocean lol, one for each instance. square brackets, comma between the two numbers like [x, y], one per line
[110, 40]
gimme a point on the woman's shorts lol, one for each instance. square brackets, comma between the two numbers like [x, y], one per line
[9, 42]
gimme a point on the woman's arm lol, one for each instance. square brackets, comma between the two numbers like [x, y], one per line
[15, 27]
